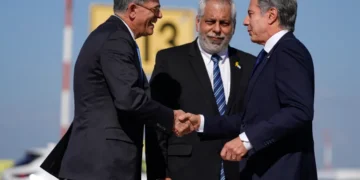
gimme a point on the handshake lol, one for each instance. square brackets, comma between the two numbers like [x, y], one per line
[185, 123]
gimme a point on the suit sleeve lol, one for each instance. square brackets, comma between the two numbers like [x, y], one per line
[117, 59]
[157, 141]
[295, 86]
[223, 126]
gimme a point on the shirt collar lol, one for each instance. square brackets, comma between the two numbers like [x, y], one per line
[223, 54]
[132, 34]
[273, 40]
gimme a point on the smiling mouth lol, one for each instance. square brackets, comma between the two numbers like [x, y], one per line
[152, 23]
[216, 39]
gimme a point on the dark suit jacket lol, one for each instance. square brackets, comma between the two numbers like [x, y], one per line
[112, 103]
[180, 81]
[278, 115]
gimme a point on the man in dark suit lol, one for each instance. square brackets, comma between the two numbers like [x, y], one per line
[185, 77]
[276, 138]
[112, 101]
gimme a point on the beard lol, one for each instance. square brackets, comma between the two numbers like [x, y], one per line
[212, 47]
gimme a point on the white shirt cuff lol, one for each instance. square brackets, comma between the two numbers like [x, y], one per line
[246, 141]
[201, 127]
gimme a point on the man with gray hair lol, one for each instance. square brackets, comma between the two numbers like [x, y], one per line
[112, 101]
[276, 132]
[204, 76]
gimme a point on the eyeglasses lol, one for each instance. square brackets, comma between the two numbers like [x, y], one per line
[156, 10]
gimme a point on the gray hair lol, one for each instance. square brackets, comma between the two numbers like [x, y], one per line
[287, 10]
[121, 5]
[202, 4]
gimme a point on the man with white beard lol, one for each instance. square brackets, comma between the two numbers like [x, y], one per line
[206, 76]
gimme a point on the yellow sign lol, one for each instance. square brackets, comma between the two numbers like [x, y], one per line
[4, 164]
[176, 27]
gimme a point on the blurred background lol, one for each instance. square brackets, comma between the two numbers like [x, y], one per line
[40, 40]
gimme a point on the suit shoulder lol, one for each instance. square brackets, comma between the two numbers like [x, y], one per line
[290, 43]
[242, 54]
[294, 45]
[110, 30]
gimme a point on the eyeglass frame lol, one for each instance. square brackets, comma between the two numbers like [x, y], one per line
[156, 10]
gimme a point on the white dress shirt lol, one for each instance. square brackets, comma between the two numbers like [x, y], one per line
[224, 66]
[268, 46]
[273, 40]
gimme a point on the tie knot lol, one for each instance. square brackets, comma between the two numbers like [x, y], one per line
[262, 54]
[216, 58]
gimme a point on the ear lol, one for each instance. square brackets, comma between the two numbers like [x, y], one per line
[132, 10]
[197, 22]
[272, 15]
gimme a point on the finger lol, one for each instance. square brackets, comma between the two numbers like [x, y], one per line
[233, 157]
[223, 152]
[194, 119]
[184, 128]
[190, 126]
[230, 148]
[178, 131]
[228, 156]
[239, 152]
[180, 127]
[178, 113]
[184, 117]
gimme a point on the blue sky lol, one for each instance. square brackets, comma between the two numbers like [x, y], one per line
[31, 62]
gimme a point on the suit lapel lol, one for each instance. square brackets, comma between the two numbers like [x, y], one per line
[254, 77]
[199, 69]
[121, 25]
[235, 76]
[261, 66]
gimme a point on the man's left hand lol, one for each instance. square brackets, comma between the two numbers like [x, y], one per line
[233, 150]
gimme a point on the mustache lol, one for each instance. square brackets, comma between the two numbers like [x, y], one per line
[221, 36]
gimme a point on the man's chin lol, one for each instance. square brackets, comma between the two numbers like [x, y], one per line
[218, 47]
[148, 33]
[254, 40]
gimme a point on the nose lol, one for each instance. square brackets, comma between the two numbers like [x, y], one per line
[246, 21]
[217, 28]
[159, 16]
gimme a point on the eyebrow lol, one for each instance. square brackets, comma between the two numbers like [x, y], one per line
[215, 19]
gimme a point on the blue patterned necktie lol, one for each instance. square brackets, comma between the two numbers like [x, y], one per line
[259, 58]
[219, 96]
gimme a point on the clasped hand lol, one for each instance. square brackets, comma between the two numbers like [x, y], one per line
[185, 123]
